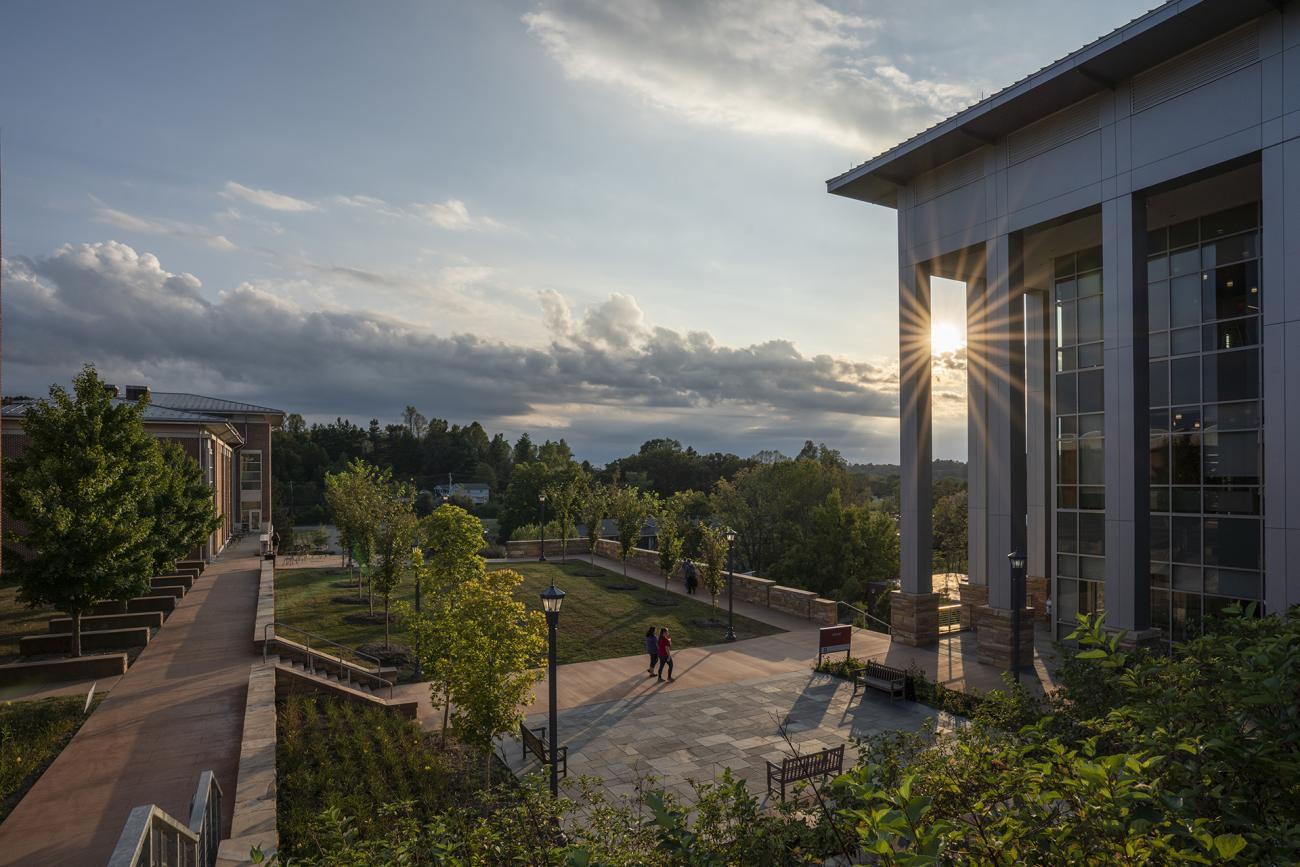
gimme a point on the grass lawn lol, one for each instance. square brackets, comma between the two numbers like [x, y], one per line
[32, 733]
[17, 620]
[596, 622]
[599, 623]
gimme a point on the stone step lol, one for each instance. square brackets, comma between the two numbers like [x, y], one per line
[90, 623]
[100, 639]
[185, 581]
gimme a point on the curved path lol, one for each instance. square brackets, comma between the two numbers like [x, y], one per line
[177, 712]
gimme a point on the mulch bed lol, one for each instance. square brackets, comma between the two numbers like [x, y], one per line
[365, 618]
[350, 600]
[662, 601]
[624, 586]
[710, 623]
[395, 654]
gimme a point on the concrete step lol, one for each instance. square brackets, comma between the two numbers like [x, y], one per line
[91, 623]
[99, 639]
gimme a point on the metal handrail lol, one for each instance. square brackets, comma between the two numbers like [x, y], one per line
[153, 837]
[312, 654]
[869, 616]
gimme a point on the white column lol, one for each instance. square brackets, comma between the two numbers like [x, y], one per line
[1003, 340]
[916, 556]
[1128, 571]
[1280, 166]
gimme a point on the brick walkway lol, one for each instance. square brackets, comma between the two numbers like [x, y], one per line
[177, 712]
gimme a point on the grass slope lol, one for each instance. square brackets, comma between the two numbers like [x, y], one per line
[32, 734]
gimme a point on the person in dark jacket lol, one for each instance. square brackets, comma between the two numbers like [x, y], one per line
[665, 654]
[652, 648]
[692, 580]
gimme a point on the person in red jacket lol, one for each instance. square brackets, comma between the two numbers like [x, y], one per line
[665, 654]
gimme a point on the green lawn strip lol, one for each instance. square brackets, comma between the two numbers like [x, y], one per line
[344, 755]
[32, 734]
[596, 622]
[17, 620]
[599, 623]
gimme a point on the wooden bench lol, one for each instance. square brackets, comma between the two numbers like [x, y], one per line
[534, 741]
[796, 768]
[877, 675]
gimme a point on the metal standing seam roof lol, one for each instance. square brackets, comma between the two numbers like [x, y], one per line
[152, 414]
[1144, 42]
[199, 403]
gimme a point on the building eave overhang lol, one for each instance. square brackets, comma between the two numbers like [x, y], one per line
[1145, 42]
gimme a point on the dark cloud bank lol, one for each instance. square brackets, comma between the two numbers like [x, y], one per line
[606, 382]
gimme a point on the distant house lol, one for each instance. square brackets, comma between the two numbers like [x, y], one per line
[477, 493]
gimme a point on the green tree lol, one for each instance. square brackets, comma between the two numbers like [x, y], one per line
[183, 510]
[84, 491]
[714, 548]
[595, 508]
[562, 500]
[629, 508]
[451, 540]
[520, 505]
[396, 532]
[950, 531]
[352, 494]
[497, 648]
[671, 535]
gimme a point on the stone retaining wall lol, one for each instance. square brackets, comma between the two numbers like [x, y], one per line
[751, 589]
[102, 639]
[254, 820]
[55, 670]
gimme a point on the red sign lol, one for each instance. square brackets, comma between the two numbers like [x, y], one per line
[834, 639]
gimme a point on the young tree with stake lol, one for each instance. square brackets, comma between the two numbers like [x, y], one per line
[396, 531]
[629, 509]
[713, 552]
[595, 507]
[671, 536]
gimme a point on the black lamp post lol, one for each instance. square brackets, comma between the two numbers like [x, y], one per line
[731, 585]
[1017, 558]
[541, 555]
[419, 606]
[552, 600]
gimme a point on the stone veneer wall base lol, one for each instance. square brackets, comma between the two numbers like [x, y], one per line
[255, 817]
[914, 618]
[994, 645]
[973, 596]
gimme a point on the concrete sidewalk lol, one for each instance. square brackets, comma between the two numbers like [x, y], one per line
[177, 712]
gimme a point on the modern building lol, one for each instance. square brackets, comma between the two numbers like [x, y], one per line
[230, 441]
[1126, 222]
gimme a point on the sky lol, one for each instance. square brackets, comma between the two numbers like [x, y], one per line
[603, 220]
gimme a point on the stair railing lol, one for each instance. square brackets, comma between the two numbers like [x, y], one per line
[153, 837]
[347, 668]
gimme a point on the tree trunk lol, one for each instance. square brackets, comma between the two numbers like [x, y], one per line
[387, 646]
[76, 632]
[446, 710]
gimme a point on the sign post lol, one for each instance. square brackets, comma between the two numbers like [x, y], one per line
[834, 639]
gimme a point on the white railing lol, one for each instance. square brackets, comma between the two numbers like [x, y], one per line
[152, 838]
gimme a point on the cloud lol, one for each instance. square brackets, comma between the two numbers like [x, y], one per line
[767, 67]
[606, 370]
[266, 198]
[452, 215]
[171, 228]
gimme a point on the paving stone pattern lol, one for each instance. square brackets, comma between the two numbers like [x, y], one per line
[692, 734]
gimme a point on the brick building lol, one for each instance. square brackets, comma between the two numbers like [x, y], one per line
[230, 441]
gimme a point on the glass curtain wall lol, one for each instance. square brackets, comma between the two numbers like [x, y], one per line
[1206, 450]
[1080, 444]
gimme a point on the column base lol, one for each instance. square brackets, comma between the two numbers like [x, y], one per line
[1139, 638]
[1036, 592]
[973, 596]
[994, 645]
[914, 617]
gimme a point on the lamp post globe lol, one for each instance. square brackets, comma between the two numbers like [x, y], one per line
[552, 602]
[731, 585]
[541, 555]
